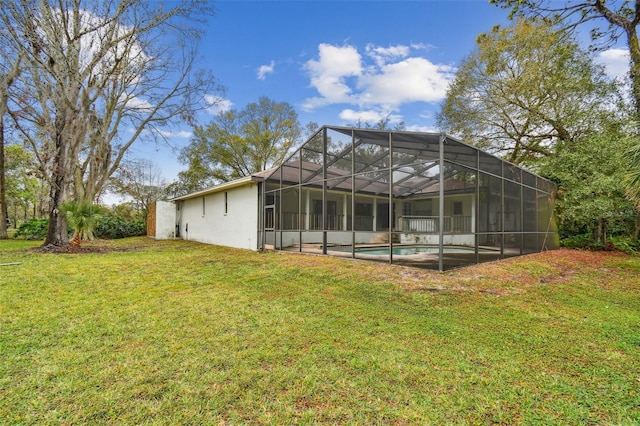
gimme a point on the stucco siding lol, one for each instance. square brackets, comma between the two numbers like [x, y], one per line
[228, 220]
[165, 220]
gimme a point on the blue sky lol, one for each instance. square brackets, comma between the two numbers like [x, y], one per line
[337, 62]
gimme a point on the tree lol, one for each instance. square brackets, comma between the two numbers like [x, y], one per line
[82, 216]
[590, 175]
[142, 181]
[621, 18]
[632, 181]
[385, 123]
[7, 77]
[524, 89]
[239, 143]
[22, 186]
[96, 77]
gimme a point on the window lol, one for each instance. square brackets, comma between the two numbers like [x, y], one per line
[363, 209]
[203, 207]
[332, 215]
[457, 208]
[423, 207]
[364, 217]
[406, 209]
[226, 204]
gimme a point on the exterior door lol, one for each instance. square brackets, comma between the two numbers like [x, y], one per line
[270, 227]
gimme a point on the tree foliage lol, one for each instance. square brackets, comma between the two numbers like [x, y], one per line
[140, 180]
[524, 89]
[23, 188]
[632, 179]
[238, 143]
[82, 216]
[590, 174]
[8, 75]
[620, 20]
[95, 77]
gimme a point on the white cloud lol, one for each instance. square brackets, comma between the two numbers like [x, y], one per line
[424, 129]
[370, 116]
[615, 61]
[179, 134]
[411, 80]
[342, 76]
[381, 55]
[263, 70]
[422, 46]
[330, 72]
[217, 104]
[134, 102]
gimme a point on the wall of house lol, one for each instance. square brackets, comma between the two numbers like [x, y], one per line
[230, 220]
[165, 220]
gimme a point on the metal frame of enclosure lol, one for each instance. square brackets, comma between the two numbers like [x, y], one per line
[418, 199]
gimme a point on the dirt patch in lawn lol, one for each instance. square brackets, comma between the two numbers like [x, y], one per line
[514, 275]
[82, 249]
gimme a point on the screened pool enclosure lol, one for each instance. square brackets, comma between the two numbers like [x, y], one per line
[419, 199]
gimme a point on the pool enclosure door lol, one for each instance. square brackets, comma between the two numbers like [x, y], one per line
[270, 227]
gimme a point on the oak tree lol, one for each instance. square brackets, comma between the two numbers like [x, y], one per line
[524, 89]
[590, 174]
[239, 143]
[96, 77]
[141, 181]
[608, 22]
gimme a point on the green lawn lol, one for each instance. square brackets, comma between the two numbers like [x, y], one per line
[177, 332]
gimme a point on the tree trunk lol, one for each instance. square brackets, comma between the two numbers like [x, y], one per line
[3, 195]
[57, 234]
[634, 69]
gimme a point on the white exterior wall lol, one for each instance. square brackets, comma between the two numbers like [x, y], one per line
[238, 227]
[165, 220]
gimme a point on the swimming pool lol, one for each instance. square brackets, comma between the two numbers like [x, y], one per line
[404, 251]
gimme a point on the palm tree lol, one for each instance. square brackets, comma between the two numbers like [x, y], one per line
[82, 216]
[633, 182]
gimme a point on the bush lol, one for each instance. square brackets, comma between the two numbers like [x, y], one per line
[624, 244]
[582, 241]
[112, 227]
[107, 227]
[618, 243]
[34, 229]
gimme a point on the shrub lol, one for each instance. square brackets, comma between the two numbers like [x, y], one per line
[112, 227]
[82, 217]
[33, 229]
[582, 241]
[618, 243]
[625, 244]
[107, 227]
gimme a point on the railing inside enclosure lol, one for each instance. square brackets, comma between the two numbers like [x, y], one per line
[291, 221]
[298, 221]
[362, 223]
[430, 224]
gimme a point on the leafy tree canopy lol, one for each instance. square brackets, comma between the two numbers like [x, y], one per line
[524, 89]
[238, 143]
[590, 174]
[608, 21]
[140, 180]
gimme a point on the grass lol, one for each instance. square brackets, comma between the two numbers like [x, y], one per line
[177, 332]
